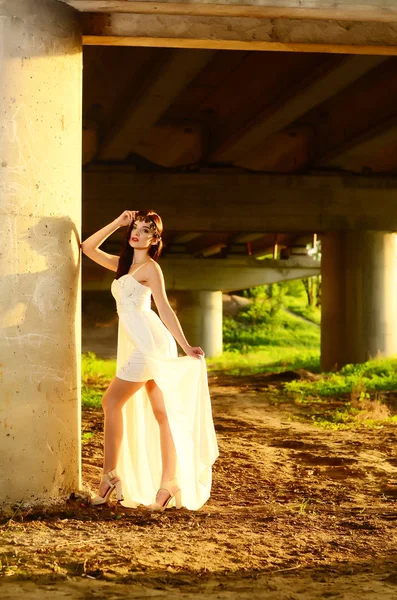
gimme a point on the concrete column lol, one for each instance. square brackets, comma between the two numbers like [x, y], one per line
[211, 322]
[359, 297]
[200, 314]
[333, 313]
[40, 208]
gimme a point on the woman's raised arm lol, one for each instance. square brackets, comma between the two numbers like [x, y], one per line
[90, 246]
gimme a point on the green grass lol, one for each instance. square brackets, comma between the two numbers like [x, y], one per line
[96, 375]
[308, 312]
[358, 391]
[97, 368]
[264, 359]
[286, 342]
[285, 331]
[373, 376]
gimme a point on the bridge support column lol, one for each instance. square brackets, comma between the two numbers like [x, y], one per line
[40, 208]
[200, 314]
[359, 297]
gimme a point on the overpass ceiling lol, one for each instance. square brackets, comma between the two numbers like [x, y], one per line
[201, 111]
[158, 109]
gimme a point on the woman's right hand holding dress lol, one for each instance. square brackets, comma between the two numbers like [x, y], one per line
[194, 351]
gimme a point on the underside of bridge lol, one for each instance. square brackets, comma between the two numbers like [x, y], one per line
[245, 154]
[250, 127]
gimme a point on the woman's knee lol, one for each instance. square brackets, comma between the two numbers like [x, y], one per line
[160, 414]
[110, 402]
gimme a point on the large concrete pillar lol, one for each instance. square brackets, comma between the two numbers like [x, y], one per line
[40, 208]
[333, 313]
[359, 297]
[200, 314]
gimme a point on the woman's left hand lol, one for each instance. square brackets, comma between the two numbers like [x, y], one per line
[195, 351]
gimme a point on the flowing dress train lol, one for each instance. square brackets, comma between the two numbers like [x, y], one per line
[146, 350]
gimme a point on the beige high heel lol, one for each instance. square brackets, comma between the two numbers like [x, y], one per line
[168, 486]
[117, 485]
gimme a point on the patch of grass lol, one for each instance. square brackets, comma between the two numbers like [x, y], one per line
[350, 418]
[311, 313]
[97, 368]
[373, 376]
[282, 342]
[265, 359]
[91, 396]
[359, 391]
[96, 375]
[286, 330]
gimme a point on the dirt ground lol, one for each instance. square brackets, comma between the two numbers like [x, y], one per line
[296, 513]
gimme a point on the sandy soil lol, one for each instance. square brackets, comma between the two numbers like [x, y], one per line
[296, 513]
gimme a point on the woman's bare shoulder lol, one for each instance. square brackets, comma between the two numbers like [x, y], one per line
[154, 266]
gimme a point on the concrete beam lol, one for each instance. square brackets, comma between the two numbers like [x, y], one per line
[226, 275]
[173, 144]
[243, 202]
[145, 110]
[243, 33]
[185, 238]
[366, 10]
[328, 80]
[247, 237]
[370, 143]
[287, 151]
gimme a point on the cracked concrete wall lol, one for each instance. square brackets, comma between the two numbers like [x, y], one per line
[40, 213]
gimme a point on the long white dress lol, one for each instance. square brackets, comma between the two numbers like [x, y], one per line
[146, 350]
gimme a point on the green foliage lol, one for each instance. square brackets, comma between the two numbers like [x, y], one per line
[267, 302]
[91, 396]
[311, 313]
[265, 359]
[284, 329]
[97, 368]
[96, 375]
[294, 289]
[266, 336]
[375, 375]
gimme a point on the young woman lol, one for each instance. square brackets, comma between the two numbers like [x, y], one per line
[159, 432]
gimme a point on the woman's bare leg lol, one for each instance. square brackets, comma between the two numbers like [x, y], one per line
[168, 453]
[117, 394]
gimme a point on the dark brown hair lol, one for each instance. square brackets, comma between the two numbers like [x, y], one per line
[127, 252]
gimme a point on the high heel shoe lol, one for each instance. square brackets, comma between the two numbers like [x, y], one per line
[116, 485]
[168, 486]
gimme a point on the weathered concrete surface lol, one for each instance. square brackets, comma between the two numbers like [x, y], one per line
[228, 32]
[40, 204]
[362, 10]
[358, 297]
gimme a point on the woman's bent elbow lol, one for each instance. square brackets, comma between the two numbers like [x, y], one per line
[84, 249]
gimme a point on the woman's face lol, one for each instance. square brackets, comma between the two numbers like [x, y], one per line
[142, 235]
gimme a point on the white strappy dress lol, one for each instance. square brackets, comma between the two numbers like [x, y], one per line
[146, 350]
